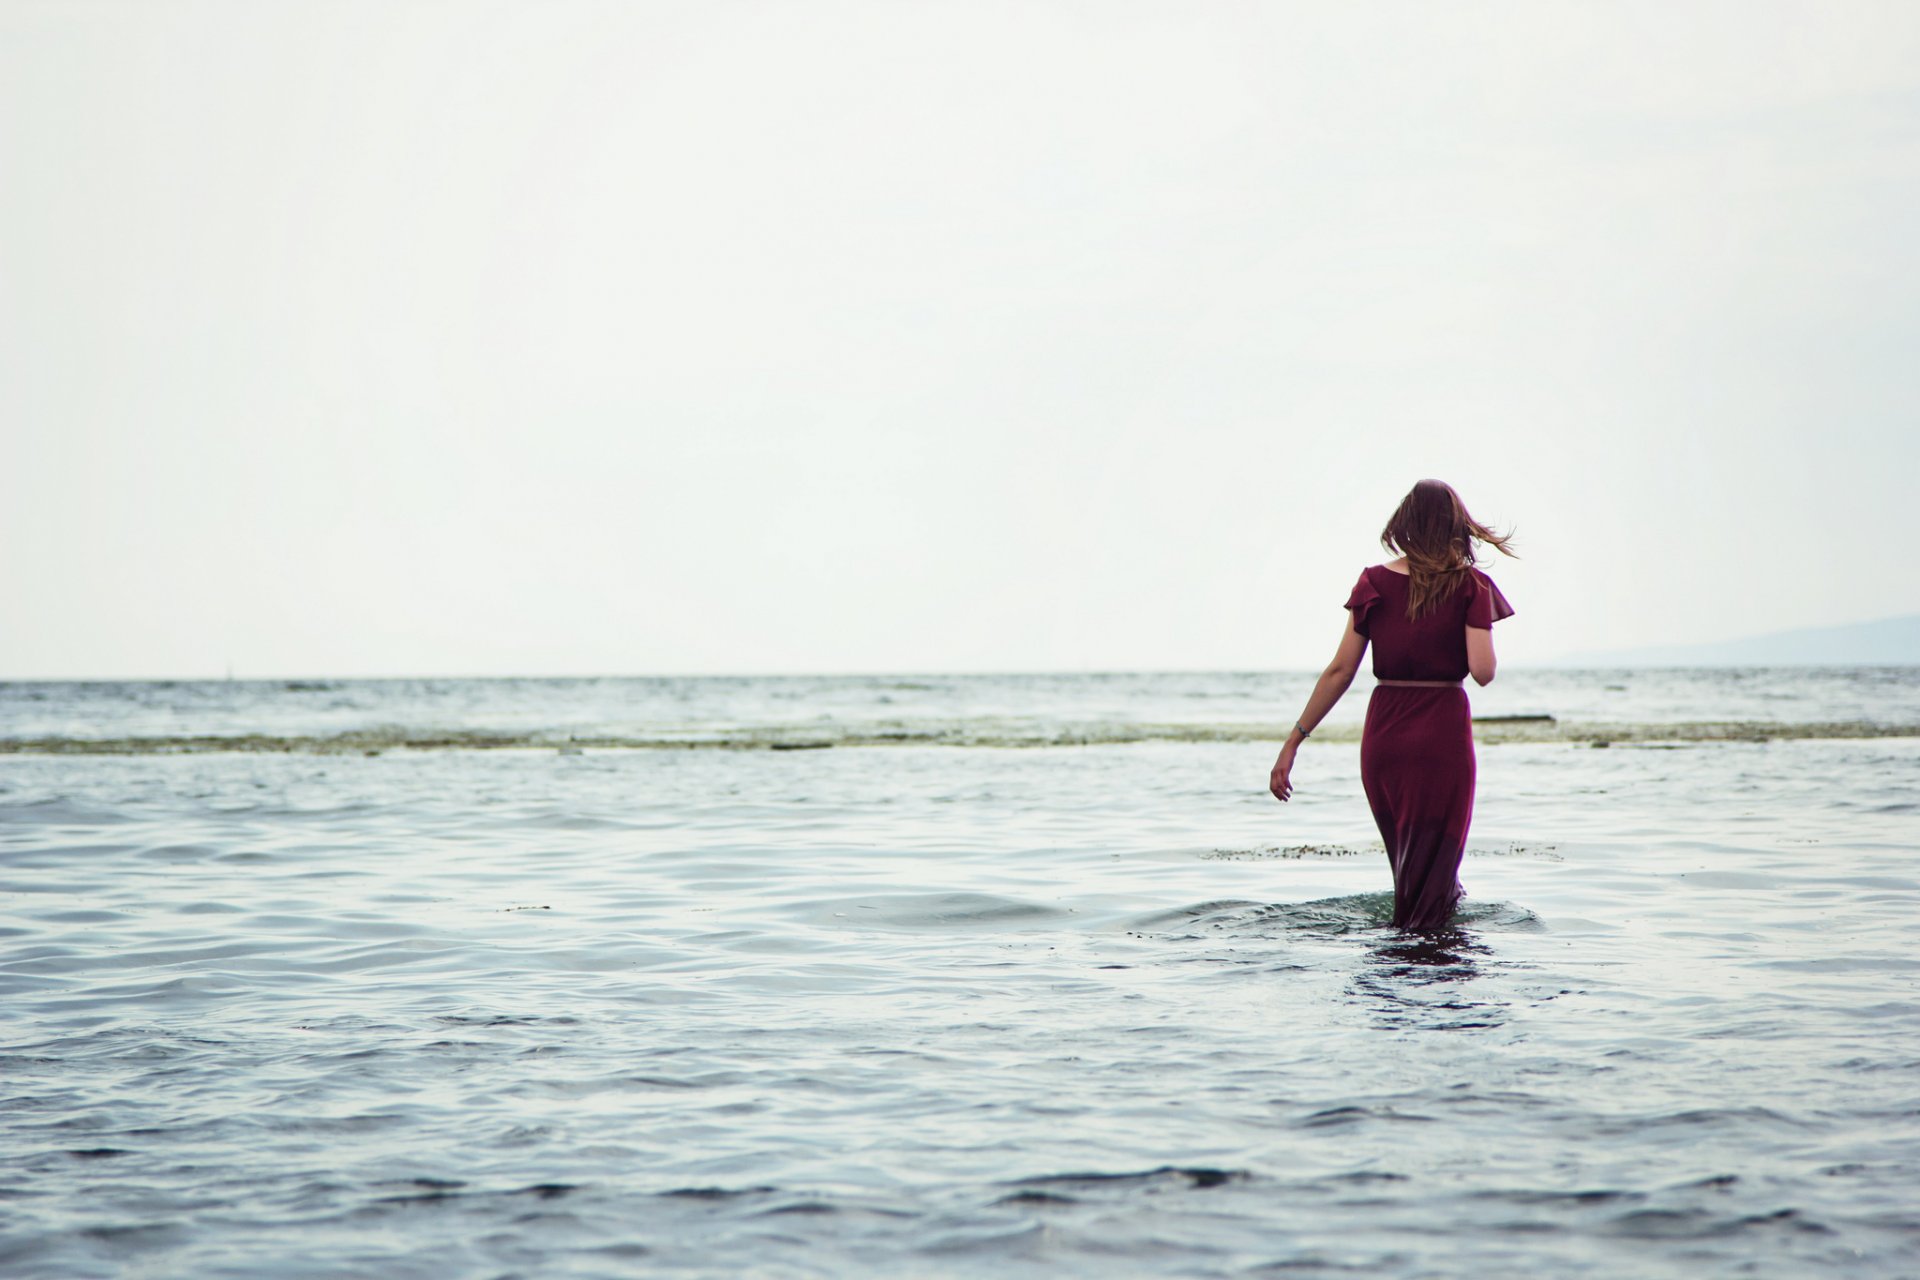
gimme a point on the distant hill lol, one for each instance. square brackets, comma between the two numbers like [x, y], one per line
[1887, 642]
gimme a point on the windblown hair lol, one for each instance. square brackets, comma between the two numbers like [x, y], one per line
[1434, 531]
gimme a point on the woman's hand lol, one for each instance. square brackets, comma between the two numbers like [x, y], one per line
[1327, 690]
[1279, 783]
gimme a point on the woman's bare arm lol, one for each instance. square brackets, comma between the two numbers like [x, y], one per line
[1480, 662]
[1333, 683]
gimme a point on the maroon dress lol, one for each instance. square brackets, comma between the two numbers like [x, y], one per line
[1416, 752]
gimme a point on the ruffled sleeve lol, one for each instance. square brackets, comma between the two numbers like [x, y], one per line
[1487, 606]
[1362, 602]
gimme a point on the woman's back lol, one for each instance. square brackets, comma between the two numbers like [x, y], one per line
[1432, 646]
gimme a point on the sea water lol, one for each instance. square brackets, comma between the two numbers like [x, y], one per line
[951, 976]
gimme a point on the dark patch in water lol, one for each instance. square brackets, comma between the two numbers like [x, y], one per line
[1699, 1224]
[1787, 1217]
[1704, 1117]
[717, 1193]
[1193, 1177]
[502, 1019]
[1574, 1198]
[1036, 1197]
[420, 1197]
[804, 1206]
[1337, 1117]
[1719, 1182]
[1333, 1116]
[1664, 1224]
[670, 1082]
[437, 1190]
[139, 1235]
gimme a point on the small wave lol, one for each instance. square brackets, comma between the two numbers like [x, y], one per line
[438, 1190]
[1326, 917]
[1343, 1116]
[1495, 731]
[929, 911]
[1704, 1224]
[717, 1193]
[1530, 1197]
[1164, 1175]
[1034, 1196]
[59, 811]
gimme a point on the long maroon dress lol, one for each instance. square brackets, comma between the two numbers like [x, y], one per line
[1416, 752]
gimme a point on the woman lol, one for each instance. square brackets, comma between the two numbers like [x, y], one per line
[1429, 615]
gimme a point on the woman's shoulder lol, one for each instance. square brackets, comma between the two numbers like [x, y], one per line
[1486, 603]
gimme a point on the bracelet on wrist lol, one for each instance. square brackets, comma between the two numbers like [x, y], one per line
[1301, 729]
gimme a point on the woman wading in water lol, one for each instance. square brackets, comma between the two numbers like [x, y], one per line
[1429, 615]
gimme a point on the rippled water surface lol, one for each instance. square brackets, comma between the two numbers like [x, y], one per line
[952, 1010]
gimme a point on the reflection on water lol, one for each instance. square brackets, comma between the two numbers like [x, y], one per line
[1413, 980]
[1437, 955]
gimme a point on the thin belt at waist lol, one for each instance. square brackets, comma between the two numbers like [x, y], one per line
[1421, 684]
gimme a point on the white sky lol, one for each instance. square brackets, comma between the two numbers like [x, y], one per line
[387, 338]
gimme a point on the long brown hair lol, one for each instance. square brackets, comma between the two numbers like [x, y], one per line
[1434, 531]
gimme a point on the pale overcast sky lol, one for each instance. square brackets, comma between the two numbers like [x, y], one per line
[413, 338]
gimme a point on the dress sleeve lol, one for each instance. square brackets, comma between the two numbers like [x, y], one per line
[1487, 606]
[1362, 602]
